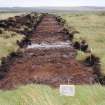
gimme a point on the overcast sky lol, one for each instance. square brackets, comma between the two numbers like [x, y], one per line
[34, 3]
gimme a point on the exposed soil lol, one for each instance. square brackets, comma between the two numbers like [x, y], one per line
[53, 65]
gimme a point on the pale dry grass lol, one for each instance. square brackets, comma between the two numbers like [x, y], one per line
[7, 15]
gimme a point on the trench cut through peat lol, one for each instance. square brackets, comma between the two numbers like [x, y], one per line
[49, 60]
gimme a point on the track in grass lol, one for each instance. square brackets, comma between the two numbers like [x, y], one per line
[49, 60]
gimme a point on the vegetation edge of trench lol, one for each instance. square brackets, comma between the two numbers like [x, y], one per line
[91, 60]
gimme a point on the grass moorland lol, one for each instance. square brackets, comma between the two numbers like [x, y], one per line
[92, 28]
[45, 95]
[4, 15]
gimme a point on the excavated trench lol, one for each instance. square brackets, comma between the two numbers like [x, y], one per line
[50, 59]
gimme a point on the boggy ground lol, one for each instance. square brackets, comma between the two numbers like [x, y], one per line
[47, 65]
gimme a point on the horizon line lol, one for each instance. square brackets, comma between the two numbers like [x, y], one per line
[47, 6]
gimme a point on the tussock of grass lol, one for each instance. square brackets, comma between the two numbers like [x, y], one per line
[81, 56]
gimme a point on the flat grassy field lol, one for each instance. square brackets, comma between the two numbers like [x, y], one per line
[44, 95]
[91, 26]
